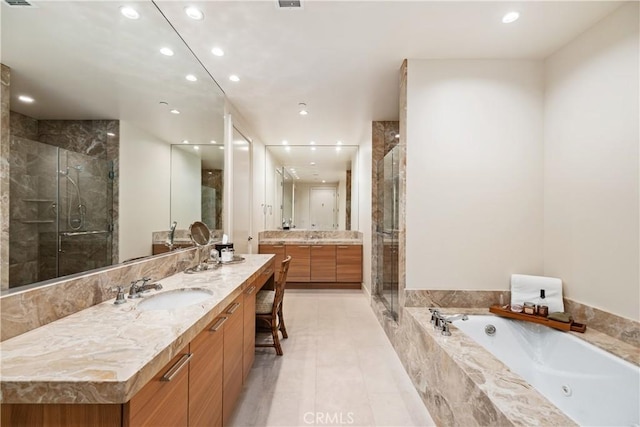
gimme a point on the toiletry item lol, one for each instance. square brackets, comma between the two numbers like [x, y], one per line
[543, 311]
[516, 308]
[529, 308]
[227, 254]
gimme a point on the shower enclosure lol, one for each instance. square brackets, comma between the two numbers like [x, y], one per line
[61, 212]
[387, 231]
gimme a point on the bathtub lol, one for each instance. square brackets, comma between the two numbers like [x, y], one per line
[591, 386]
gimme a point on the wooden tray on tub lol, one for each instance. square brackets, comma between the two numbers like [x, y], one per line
[506, 312]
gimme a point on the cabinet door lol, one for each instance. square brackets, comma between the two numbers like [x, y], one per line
[349, 263]
[205, 376]
[300, 266]
[232, 363]
[249, 312]
[323, 263]
[279, 252]
[165, 398]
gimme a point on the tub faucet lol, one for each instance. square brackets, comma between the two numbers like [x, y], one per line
[172, 233]
[462, 317]
[135, 290]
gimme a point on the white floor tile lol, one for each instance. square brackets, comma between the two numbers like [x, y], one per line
[338, 369]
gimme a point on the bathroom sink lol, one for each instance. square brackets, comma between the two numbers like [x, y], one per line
[175, 299]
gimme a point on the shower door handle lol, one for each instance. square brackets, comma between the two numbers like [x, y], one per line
[60, 243]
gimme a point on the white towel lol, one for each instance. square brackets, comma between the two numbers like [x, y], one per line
[527, 289]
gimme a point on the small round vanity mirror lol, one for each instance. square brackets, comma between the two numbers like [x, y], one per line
[199, 233]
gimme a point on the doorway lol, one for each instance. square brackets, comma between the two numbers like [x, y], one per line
[322, 208]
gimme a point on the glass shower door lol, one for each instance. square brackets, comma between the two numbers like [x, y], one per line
[387, 231]
[85, 193]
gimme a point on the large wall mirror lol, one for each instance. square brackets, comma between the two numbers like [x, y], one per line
[311, 188]
[94, 108]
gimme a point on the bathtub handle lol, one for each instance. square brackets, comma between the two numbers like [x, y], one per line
[445, 327]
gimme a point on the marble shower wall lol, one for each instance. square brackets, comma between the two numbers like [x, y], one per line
[5, 80]
[347, 223]
[33, 197]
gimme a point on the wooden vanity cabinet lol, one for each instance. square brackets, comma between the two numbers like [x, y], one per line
[232, 359]
[205, 376]
[165, 399]
[278, 251]
[323, 263]
[249, 321]
[300, 266]
[349, 263]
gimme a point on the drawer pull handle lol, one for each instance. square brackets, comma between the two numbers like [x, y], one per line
[173, 371]
[218, 324]
[250, 290]
[268, 272]
[233, 308]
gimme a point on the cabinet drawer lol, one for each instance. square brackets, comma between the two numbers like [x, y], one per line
[278, 251]
[232, 362]
[323, 263]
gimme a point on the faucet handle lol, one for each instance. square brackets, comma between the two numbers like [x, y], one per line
[120, 296]
[445, 328]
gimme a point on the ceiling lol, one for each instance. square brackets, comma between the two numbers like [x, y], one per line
[342, 58]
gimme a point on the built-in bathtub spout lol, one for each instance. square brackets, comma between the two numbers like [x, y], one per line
[462, 317]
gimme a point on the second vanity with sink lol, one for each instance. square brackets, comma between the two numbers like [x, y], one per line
[177, 356]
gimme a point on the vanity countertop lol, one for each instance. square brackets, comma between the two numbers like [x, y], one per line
[107, 353]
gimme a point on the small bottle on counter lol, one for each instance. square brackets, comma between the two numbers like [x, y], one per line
[529, 308]
[543, 311]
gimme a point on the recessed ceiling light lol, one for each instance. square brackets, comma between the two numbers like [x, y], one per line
[323, 181]
[111, 134]
[313, 148]
[234, 78]
[164, 103]
[166, 51]
[213, 141]
[185, 141]
[210, 173]
[285, 142]
[195, 147]
[191, 78]
[397, 135]
[221, 147]
[338, 148]
[129, 12]
[510, 17]
[194, 13]
[217, 51]
[339, 142]
[312, 163]
[25, 98]
[312, 143]
[303, 109]
[287, 148]
[174, 111]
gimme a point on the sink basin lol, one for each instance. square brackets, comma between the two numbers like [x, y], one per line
[172, 300]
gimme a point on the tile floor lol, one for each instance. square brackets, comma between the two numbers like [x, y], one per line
[338, 368]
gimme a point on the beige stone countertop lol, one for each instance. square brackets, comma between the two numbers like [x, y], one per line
[317, 241]
[107, 353]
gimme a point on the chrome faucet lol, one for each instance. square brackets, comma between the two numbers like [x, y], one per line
[440, 322]
[135, 290]
[172, 232]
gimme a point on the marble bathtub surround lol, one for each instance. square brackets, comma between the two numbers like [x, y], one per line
[23, 310]
[620, 328]
[459, 381]
[107, 353]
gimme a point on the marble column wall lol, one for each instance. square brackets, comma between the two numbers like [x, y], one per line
[213, 178]
[5, 81]
[347, 223]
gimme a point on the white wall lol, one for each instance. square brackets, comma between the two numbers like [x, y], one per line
[474, 172]
[591, 165]
[145, 162]
[361, 206]
[186, 183]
